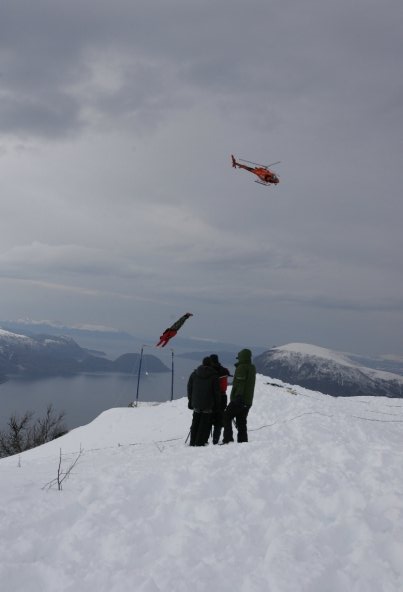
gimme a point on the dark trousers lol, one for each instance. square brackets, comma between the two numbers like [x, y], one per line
[239, 412]
[218, 419]
[200, 428]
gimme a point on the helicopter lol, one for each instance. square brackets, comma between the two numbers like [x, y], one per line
[264, 174]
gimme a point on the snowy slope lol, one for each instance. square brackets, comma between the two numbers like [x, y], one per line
[8, 338]
[313, 503]
[327, 371]
[314, 350]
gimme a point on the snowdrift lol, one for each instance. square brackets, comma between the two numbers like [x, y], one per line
[312, 503]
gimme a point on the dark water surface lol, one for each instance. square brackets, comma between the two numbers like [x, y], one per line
[85, 396]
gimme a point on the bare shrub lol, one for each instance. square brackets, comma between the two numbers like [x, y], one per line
[23, 433]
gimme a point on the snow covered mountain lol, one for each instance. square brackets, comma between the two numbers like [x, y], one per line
[313, 503]
[116, 342]
[56, 355]
[98, 339]
[327, 371]
[21, 354]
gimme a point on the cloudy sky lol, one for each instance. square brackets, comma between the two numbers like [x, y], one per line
[119, 206]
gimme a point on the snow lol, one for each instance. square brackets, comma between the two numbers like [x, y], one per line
[316, 351]
[383, 374]
[296, 353]
[58, 325]
[7, 338]
[392, 357]
[313, 503]
[101, 328]
[13, 337]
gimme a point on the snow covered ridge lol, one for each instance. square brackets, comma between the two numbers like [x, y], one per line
[306, 349]
[57, 325]
[327, 371]
[14, 340]
[55, 328]
[51, 355]
[41, 354]
[7, 336]
[313, 503]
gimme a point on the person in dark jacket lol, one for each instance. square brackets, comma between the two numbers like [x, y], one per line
[218, 416]
[204, 398]
[241, 398]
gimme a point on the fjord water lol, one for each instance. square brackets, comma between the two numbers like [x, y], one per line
[84, 396]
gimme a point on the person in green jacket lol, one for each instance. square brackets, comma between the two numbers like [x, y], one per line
[241, 399]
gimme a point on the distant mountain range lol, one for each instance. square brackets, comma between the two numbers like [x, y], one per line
[112, 342]
[327, 371]
[225, 357]
[53, 355]
[101, 340]
[45, 348]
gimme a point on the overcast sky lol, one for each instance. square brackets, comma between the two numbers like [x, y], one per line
[119, 206]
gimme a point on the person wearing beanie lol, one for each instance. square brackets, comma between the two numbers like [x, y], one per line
[204, 398]
[218, 416]
[241, 398]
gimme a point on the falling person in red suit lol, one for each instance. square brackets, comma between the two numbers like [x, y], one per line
[172, 330]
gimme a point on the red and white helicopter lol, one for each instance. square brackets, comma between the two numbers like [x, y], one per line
[264, 175]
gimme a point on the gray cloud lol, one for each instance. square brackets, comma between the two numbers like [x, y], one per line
[40, 261]
[117, 120]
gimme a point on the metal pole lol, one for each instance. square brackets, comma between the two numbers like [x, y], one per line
[172, 376]
[138, 376]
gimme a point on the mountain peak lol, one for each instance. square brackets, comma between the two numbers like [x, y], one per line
[306, 349]
[328, 371]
